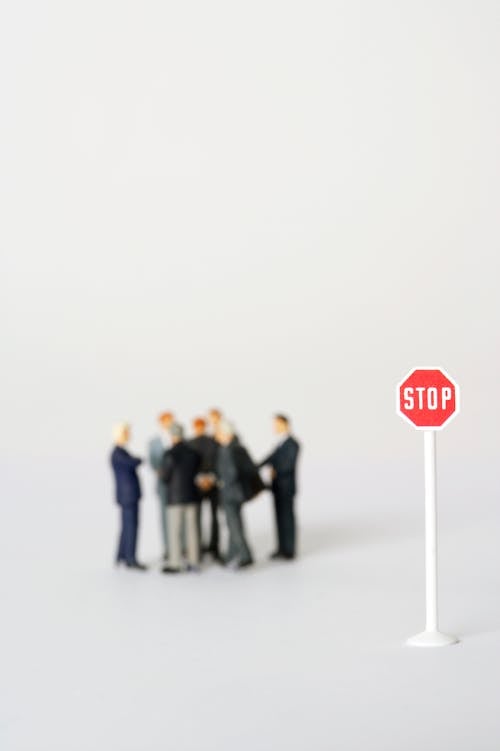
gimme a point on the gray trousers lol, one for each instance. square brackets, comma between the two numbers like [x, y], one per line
[161, 490]
[238, 549]
[179, 516]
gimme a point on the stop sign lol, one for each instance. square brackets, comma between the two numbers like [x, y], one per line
[428, 398]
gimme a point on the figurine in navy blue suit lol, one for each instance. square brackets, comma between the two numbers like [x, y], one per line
[128, 495]
[283, 463]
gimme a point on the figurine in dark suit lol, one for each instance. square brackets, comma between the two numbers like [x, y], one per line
[283, 463]
[179, 469]
[206, 447]
[238, 481]
[128, 495]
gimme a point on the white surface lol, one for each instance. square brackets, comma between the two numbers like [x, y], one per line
[263, 206]
[307, 655]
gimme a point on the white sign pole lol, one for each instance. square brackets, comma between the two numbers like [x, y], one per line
[431, 637]
[431, 615]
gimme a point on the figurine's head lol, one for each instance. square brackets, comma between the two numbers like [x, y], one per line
[225, 433]
[214, 417]
[166, 420]
[121, 433]
[281, 424]
[199, 426]
[176, 433]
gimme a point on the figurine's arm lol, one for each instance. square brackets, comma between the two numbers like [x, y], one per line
[125, 460]
[154, 455]
[271, 459]
[166, 467]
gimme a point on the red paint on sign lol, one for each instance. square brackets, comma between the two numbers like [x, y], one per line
[427, 398]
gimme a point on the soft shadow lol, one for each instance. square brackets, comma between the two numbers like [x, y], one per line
[468, 633]
[356, 533]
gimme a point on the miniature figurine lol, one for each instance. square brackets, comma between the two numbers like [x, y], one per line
[206, 447]
[156, 449]
[179, 468]
[238, 481]
[128, 495]
[283, 461]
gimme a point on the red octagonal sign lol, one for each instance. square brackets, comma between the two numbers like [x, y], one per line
[428, 398]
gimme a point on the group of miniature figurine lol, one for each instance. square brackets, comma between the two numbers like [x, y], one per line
[213, 469]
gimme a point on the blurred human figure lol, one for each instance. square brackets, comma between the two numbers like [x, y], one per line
[180, 465]
[238, 481]
[214, 419]
[157, 447]
[128, 494]
[283, 463]
[206, 447]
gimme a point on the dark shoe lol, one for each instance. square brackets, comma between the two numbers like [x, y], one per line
[288, 556]
[211, 551]
[138, 566]
[245, 564]
[235, 564]
[276, 555]
[170, 570]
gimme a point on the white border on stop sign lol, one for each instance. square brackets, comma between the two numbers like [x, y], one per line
[429, 427]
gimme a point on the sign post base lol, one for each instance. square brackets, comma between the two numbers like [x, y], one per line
[431, 639]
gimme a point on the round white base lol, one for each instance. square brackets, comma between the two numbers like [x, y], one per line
[431, 639]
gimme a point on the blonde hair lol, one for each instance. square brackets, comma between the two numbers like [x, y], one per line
[225, 428]
[119, 431]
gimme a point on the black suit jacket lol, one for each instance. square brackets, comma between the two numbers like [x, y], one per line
[247, 473]
[179, 467]
[206, 447]
[128, 489]
[284, 462]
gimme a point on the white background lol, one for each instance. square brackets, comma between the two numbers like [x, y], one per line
[261, 206]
